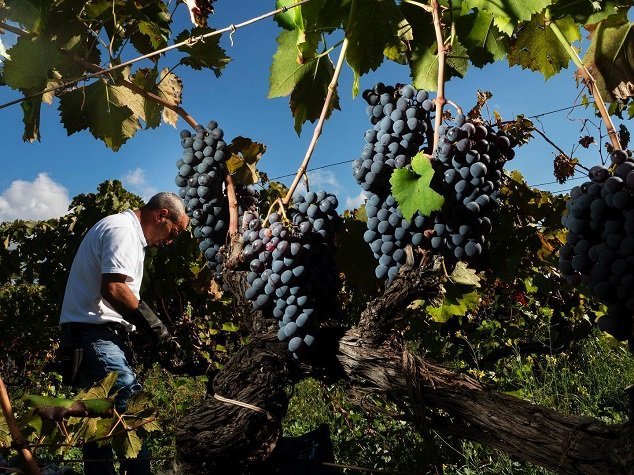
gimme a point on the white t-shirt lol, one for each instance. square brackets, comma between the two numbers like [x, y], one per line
[115, 245]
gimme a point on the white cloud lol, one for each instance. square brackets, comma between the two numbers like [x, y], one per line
[353, 202]
[40, 199]
[323, 180]
[135, 181]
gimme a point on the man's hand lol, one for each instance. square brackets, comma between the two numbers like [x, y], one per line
[146, 320]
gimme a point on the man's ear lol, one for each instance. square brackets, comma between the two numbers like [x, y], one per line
[163, 213]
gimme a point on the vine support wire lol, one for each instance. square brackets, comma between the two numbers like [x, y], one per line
[18, 439]
[188, 42]
[588, 79]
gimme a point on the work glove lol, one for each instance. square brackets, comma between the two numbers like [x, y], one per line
[146, 320]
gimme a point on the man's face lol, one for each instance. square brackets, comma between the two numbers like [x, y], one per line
[165, 228]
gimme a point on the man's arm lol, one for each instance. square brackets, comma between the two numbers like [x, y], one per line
[116, 292]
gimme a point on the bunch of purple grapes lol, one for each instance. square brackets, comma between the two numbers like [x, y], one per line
[201, 174]
[599, 249]
[400, 119]
[471, 159]
[292, 266]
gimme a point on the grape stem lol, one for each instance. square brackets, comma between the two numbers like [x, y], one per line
[588, 80]
[442, 52]
[281, 210]
[18, 439]
[324, 111]
[456, 106]
[545, 137]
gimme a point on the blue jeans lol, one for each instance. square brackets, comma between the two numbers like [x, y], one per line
[106, 348]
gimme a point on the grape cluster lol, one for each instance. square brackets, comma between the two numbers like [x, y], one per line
[599, 249]
[400, 118]
[292, 266]
[471, 159]
[389, 233]
[201, 174]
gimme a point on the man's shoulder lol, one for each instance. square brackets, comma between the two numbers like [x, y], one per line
[115, 221]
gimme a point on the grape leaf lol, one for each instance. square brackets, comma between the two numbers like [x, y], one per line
[102, 109]
[308, 97]
[128, 444]
[482, 39]
[538, 49]
[304, 17]
[31, 118]
[32, 63]
[455, 303]
[588, 12]
[374, 26]
[245, 155]
[464, 275]
[32, 14]
[610, 57]
[508, 14]
[412, 191]
[203, 54]
[287, 70]
[424, 61]
[101, 389]
[5, 435]
[167, 87]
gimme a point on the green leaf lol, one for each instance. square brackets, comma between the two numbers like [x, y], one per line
[482, 40]
[412, 191]
[31, 118]
[538, 49]
[610, 57]
[203, 54]
[31, 64]
[170, 88]
[375, 26]
[101, 389]
[230, 327]
[287, 68]
[308, 97]
[464, 275]
[5, 435]
[32, 14]
[508, 14]
[155, 34]
[424, 61]
[127, 445]
[456, 303]
[588, 12]
[305, 17]
[102, 108]
[245, 154]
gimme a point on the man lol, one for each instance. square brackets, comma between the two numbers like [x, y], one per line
[102, 304]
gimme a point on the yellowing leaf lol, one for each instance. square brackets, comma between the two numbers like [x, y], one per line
[464, 275]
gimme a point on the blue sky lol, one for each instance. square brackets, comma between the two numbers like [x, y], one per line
[39, 179]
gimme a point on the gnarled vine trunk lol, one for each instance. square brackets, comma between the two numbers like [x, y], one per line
[220, 437]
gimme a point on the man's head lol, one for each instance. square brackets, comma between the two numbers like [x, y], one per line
[163, 218]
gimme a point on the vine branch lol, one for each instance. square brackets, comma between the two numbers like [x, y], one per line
[318, 128]
[588, 80]
[18, 439]
[442, 52]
